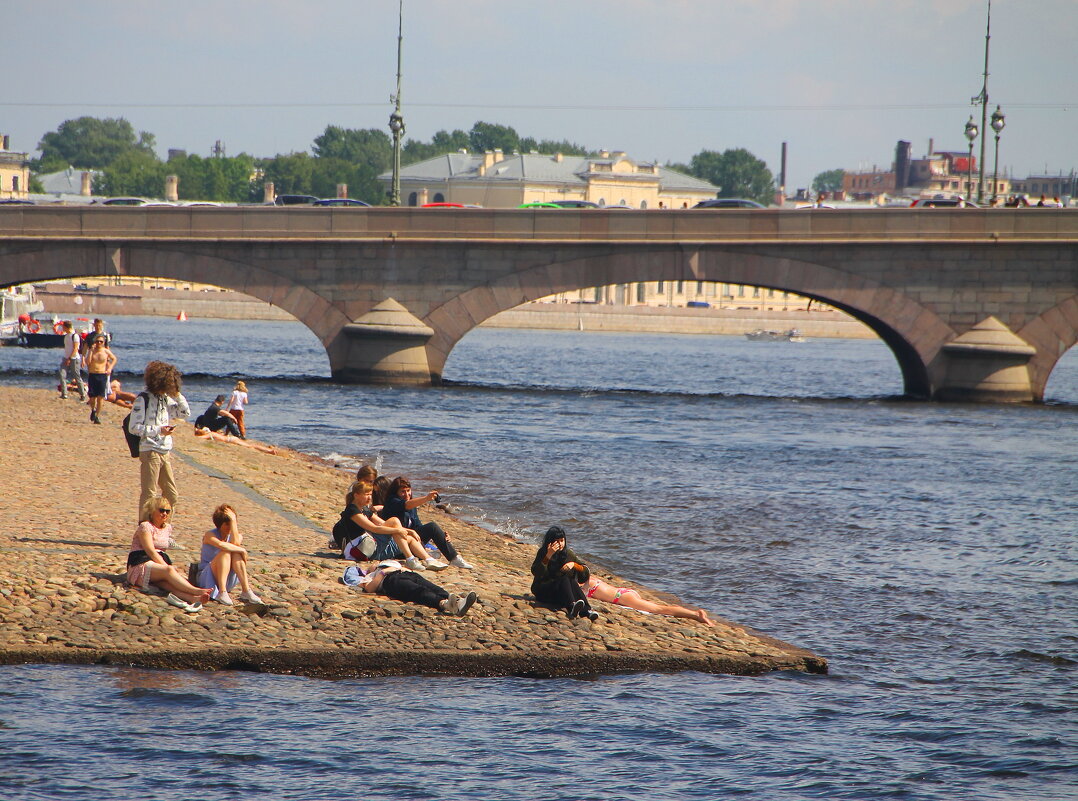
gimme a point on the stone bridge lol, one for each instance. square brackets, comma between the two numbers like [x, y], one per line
[976, 304]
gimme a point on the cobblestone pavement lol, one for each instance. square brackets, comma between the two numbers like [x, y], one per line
[67, 514]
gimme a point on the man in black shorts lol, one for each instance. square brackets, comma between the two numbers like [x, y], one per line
[100, 364]
[215, 418]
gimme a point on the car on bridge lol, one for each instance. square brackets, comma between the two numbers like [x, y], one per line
[345, 202]
[729, 203]
[943, 203]
[293, 200]
[537, 204]
[575, 204]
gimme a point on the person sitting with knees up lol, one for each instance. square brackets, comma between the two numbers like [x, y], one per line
[215, 418]
[624, 596]
[147, 563]
[558, 574]
[223, 561]
[391, 539]
[402, 506]
[392, 580]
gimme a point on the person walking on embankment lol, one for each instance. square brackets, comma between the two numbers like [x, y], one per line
[152, 421]
[99, 367]
[71, 362]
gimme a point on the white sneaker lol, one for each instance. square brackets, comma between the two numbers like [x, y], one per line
[414, 564]
[250, 597]
[458, 561]
[225, 598]
[464, 604]
[434, 564]
[449, 605]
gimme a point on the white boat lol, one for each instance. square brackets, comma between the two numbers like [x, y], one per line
[15, 303]
[761, 335]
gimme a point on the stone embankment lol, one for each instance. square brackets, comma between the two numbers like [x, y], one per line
[67, 514]
[106, 301]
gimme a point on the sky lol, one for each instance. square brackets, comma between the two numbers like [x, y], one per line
[839, 80]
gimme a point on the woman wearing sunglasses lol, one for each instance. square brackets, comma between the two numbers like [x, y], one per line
[147, 563]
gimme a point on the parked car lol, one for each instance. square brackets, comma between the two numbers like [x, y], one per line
[729, 203]
[943, 203]
[125, 201]
[575, 204]
[538, 205]
[294, 200]
[450, 206]
[341, 201]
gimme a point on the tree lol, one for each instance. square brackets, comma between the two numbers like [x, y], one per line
[736, 172]
[828, 181]
[369, 146]
[489, 136]
[91, 143]
[225, 179]
[291, 174]
[132, 173]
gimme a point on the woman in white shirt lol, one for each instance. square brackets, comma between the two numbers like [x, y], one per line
[236, 404]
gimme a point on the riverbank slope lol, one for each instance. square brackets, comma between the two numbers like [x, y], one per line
[67, 513]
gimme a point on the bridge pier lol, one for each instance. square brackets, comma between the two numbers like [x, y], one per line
[387, 345]
[987, 364]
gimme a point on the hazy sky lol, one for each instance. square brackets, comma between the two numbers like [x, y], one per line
[839, 80]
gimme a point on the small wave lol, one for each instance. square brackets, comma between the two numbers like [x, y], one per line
[1036, 656]
[166, 698]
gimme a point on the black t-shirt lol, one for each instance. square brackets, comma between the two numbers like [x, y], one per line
[208, 417]
[346, 529]
[396, 507]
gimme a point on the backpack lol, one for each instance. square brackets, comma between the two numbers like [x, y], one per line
[134, 439]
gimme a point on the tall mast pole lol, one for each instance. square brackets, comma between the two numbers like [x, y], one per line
[396, 121]
[983, 97]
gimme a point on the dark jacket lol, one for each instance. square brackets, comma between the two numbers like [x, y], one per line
[546, 575]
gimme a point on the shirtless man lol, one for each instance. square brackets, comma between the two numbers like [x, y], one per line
[99, 365]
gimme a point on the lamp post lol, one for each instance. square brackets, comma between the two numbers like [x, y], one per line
[998, 122]
[982, 99]
[396, 121]
[971, 136]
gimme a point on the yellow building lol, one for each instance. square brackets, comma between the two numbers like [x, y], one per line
[14, 173]
[494, 180]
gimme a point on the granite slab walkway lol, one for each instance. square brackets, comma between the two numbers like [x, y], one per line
[68, 492]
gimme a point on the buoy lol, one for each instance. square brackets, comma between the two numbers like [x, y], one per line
[182, 316]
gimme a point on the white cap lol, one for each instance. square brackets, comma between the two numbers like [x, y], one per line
[391, 563]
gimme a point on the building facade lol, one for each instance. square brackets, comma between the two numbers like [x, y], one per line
[14, 172]
[494, 180]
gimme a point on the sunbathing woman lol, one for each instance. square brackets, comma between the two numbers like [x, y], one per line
[625, 596]
[391, 537]
[558, 574]
[147, 563]
[217, 436]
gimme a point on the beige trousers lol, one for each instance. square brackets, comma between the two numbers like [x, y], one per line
[156, 474]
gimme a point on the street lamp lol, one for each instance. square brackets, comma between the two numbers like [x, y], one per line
[997, 125]
[971, 136]
[396, 121]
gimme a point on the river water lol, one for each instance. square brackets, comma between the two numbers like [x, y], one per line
[928, 551]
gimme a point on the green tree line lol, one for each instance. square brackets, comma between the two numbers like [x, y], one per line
[128, 164]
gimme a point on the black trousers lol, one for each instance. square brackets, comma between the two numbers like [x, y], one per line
[410, 587]
[561, 593]
[222, 422]
[432, 532]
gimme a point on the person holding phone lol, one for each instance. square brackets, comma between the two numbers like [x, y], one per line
[152, 421]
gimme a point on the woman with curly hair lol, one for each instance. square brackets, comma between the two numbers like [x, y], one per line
[152, 417]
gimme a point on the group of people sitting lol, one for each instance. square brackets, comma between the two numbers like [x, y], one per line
[222, 561]
[380, 523]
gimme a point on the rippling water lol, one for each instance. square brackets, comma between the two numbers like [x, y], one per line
[928, 551]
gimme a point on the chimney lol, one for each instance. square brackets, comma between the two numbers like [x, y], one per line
[5, 142]
[604, 154]
[172, 185]
[342, 191]
[269, 194]
[498, 155]
[931, 147]
[424, 197]
[87, 187]
[558, 157]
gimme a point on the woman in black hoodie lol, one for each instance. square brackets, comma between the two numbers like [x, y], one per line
[558, 576]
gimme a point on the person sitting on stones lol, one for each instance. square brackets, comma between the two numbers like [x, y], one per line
[379, 492]
[222, 563]
[392, 580]
[391, 538]
[599, 590]
[215, 418]
[147, 563]
[558, 575]
[402, 506]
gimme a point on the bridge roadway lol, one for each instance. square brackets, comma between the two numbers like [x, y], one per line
[975, 304]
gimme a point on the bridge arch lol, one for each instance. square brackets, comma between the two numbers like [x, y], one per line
[913, 332]
[30, 264]
[1052, 333]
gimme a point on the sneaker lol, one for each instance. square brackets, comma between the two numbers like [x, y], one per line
[576, 610]
[434, 564]
[250, 597]
[332, 545]
[93, 417]
[458, 561]
[414, 564]
[592, 615]
[449, 605]
[225, 598]
[464, 604]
